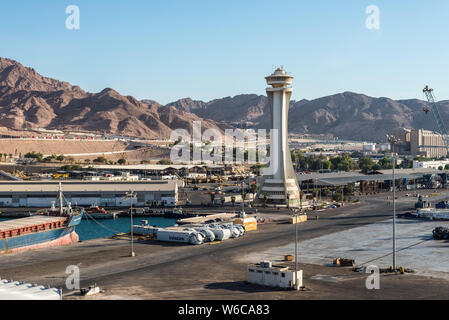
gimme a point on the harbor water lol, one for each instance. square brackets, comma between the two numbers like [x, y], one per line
[89, 229]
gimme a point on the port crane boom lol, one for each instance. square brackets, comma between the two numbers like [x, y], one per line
[436, 113]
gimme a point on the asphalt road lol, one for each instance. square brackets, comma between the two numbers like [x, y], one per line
[173, 271]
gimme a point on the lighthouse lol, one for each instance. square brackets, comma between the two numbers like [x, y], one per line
[279, 185]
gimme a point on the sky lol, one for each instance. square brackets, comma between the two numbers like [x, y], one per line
[208, 49]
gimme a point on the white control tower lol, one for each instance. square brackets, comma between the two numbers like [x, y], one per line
[280, 186]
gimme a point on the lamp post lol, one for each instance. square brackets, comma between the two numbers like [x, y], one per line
[296, 250]
[393, 140]
[131, 195]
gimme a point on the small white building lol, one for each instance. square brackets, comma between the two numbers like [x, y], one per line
[265, 274]
[196, 175]
[430, 164]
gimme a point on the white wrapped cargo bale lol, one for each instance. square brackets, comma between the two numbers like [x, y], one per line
[221, 233]
[145, 230]
[180, 235]
[209, 236]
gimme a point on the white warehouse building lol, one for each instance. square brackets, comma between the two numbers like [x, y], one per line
[41, 194]
[430, 164]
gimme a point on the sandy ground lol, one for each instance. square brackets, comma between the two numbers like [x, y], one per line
[85, 149]
[17, 147]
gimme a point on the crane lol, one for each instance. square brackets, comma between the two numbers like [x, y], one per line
[436, 113]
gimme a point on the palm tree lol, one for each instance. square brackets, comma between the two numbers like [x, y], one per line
[265, 199]
[301, 196]
[254, 189]
[326, 192]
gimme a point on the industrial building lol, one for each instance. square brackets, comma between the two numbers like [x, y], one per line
[428, 143]
[431, 164]
[41, 194]
[419, 142]
[407, 179]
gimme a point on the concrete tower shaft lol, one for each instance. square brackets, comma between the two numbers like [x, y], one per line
[281, 186]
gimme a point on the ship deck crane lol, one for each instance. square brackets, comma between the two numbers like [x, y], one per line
[436, 114]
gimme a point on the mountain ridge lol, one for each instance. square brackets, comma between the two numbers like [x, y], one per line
[28, 99]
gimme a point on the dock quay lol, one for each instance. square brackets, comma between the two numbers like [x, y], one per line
[150, 274]
[17, 213]
[205, 218]
[161, 213]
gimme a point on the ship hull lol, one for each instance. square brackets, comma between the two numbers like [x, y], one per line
[45, 239]
[42, 239]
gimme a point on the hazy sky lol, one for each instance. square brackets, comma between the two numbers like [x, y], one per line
[206, 49]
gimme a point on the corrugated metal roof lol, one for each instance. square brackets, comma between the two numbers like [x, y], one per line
[420, 171]
[331, 175]
[152, 166]
[343, 178]
[88, 186]
[15, 290]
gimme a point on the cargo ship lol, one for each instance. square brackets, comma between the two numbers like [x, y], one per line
[48, 228]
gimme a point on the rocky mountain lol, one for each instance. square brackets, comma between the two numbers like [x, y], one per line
[29, 100]
[14, 75]
[188, 105]
[359, 117]
[346, 115]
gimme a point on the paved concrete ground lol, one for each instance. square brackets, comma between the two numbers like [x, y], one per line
[373, 243]
[173, 271]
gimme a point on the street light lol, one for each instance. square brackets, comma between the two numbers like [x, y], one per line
[296, 249]
[130, 196]
[393, 140]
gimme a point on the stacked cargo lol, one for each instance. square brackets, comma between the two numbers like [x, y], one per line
[298, 219]
[250, 223]
[183, 235]
[193, 235]
[145, 230]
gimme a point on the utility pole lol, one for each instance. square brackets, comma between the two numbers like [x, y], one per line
[342, 195]
[393, 140]
[296, 250]
[131, 195]
[243, 200]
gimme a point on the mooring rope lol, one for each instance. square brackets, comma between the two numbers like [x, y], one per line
[100, 224]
